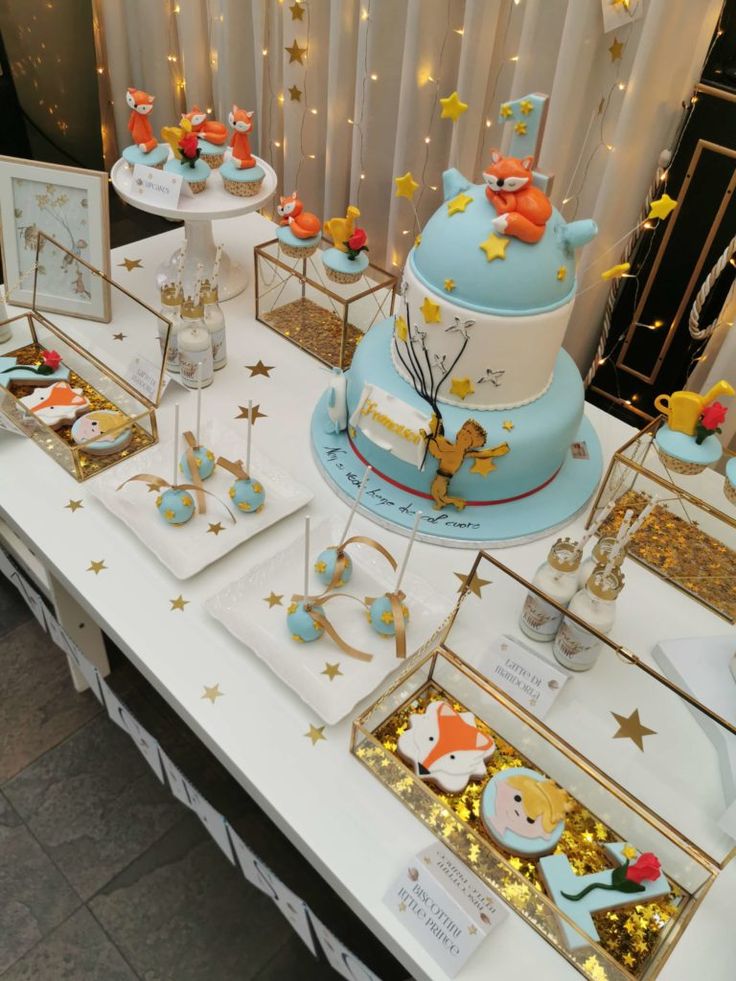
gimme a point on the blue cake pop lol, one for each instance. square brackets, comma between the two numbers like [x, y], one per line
[204, 461]
[247, 495]
[326, 563]
[302, 626]
[381, 615]
[175, 505]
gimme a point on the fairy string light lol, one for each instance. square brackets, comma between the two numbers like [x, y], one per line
[306, 109]
[365, 16]
[173, 58]
[433, 112]
[505, 62]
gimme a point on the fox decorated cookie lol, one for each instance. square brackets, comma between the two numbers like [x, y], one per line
[446, 747]
[58, 405]
[524, 811]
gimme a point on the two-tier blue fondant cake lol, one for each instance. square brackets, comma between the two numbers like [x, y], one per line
[463, 402]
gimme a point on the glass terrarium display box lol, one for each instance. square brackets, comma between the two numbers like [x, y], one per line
[85, 392]
[591, 803]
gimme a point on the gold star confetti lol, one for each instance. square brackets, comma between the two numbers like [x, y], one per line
[273, 599]
[297, 11]
[630, 727]
[459, 203]
[562, 273]
[483, 466]
[213, 693]
[131, 264]
[472, 929]
[430, 311]
[405, 186]
[449, 285]
[402, 907]
[331, 670]
[506, 111]
[508, 425]
[295, 52]
[616, 271]
[616, 49]
[315, 734]
[520, 128]
[295, 94]
[215, 529]
[475, 585]
[255, 415]
[119, 337]
[526, 106]
[402, 331]
[462, 387]
[74, 506]
[260, 369]
[418, 240]
[629, 960]
[494, 247]
[662, 207]
[452, 107]
[96, 567]
[179, 603]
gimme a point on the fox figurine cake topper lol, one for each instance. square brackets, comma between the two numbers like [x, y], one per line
[141, 104]
[241, 122]
[523, 210]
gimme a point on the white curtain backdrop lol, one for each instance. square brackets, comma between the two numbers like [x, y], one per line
[361, 106]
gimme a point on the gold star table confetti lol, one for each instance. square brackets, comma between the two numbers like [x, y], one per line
[452, 107]
[615, 272]
[295, 93]
[508, 425]
[255, 414]
[316, 733]
[259, 369]
[297, 11]
[215, 529]
[213, 693]
[131, 264]
[616, 50]
[449, 285]
[462, 387]
[179, 603]
[475, 585]
[96, 567]
[430, 311]
[662, 207]
[405, 186]
[332, 670]
[74, 506]
[295, 52]
[630, 727]
[119, 337]
[273, 599]
[494, 247]
[459, 203]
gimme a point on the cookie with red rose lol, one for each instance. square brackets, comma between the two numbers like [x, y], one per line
[46, 371]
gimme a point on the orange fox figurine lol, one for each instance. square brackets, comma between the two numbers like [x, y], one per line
[139, 124]
[523, 210]
[302, 223]
[241, 121]
[208, 129]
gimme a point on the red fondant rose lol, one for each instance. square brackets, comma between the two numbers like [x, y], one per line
[713, 415]
[52, 359]
[358, 239]
[645, 869]
[188, 145]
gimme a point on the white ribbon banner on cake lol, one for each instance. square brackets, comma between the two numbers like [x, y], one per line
[391, 423]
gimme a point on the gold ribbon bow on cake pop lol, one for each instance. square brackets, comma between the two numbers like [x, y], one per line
[341, 559]
[235, 467]
[396, 601]
[310, 602]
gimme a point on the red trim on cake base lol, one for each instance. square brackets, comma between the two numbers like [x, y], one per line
[428, 497]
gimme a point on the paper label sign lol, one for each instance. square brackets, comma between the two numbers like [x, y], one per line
[144, 376]
[525, 676]
[445, 906]
[156, 186]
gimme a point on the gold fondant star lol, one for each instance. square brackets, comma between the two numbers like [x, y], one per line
[452, 107]
[459, 203]
[616, 49]
[562, 273]
[320, 566]
[405, 186]
[255, 415]
[662, 207]
[213, 693]
[616, 271]
[507, 111]
[131, 264]
[474, 586]
[526, 106]
[297, 11]
[119, 337]
[402, 907]
[520, 128]
[387, 616]
[430, 311]
[96, 567]
[494, 247]
[274, 599]
[73, 506]
[449, 285]
[630, 727]
[418, 240]
[295, 93]
[315, 734]
[401, 329]
[332, 670]
[472, 929]
[507, 424]
[462, 387]
[179, 603]
[260, 369]
[215, 529]
[295, 52]
[483, 466]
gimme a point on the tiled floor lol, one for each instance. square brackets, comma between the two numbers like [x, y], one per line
[103, 875]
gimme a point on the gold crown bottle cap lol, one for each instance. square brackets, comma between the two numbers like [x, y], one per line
[604, 583]
[209, 293]
[191, 308]
[564, 555]
[170, 295]
[602, 549]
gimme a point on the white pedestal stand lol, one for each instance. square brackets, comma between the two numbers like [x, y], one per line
[198, 211]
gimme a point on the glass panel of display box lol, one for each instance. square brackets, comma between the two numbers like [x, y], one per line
[690, 537]
[98, 406]
[326, 319]
[558, 732]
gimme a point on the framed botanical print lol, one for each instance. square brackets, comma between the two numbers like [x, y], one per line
[67, 204]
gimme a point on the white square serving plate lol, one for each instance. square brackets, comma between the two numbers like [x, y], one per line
[307, 668]
[187, 549]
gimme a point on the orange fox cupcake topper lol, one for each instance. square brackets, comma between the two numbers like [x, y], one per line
[523, 210]
[138, 123]
[209, 129]
[241, 121]
[302, 223]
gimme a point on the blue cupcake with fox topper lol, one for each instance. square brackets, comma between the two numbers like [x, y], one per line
[347, 260]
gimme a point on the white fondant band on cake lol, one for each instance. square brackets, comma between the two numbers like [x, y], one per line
[391, 424]
[508, 361]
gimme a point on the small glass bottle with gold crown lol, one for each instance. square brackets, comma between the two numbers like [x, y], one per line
[575, 647]
[214, 320]
[195, 345]
[558, 578]
[170, 308]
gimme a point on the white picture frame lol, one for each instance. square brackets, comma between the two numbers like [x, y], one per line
[69, 205]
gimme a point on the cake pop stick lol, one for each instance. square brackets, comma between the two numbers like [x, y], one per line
[249, 436]
[388, 614]
[174, 479]
[175, 504]
[402, 570]
[300, 621]
[587, 535]
[306, 556]
[247, 493]
[356, 502]
[201, 459]
[199, 402]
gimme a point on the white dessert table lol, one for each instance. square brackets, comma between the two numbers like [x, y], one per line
[354, 832]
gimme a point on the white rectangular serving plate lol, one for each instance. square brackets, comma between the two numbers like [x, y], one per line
[187, 549]
[242, 608]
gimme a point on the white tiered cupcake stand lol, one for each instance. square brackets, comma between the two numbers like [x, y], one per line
[198, 211]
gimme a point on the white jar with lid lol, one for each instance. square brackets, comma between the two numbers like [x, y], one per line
[171, 301]
[575, 647]
[195, 347]
[558, 578]
[214, 320]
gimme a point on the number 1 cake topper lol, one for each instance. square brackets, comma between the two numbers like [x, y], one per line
[527, 117]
